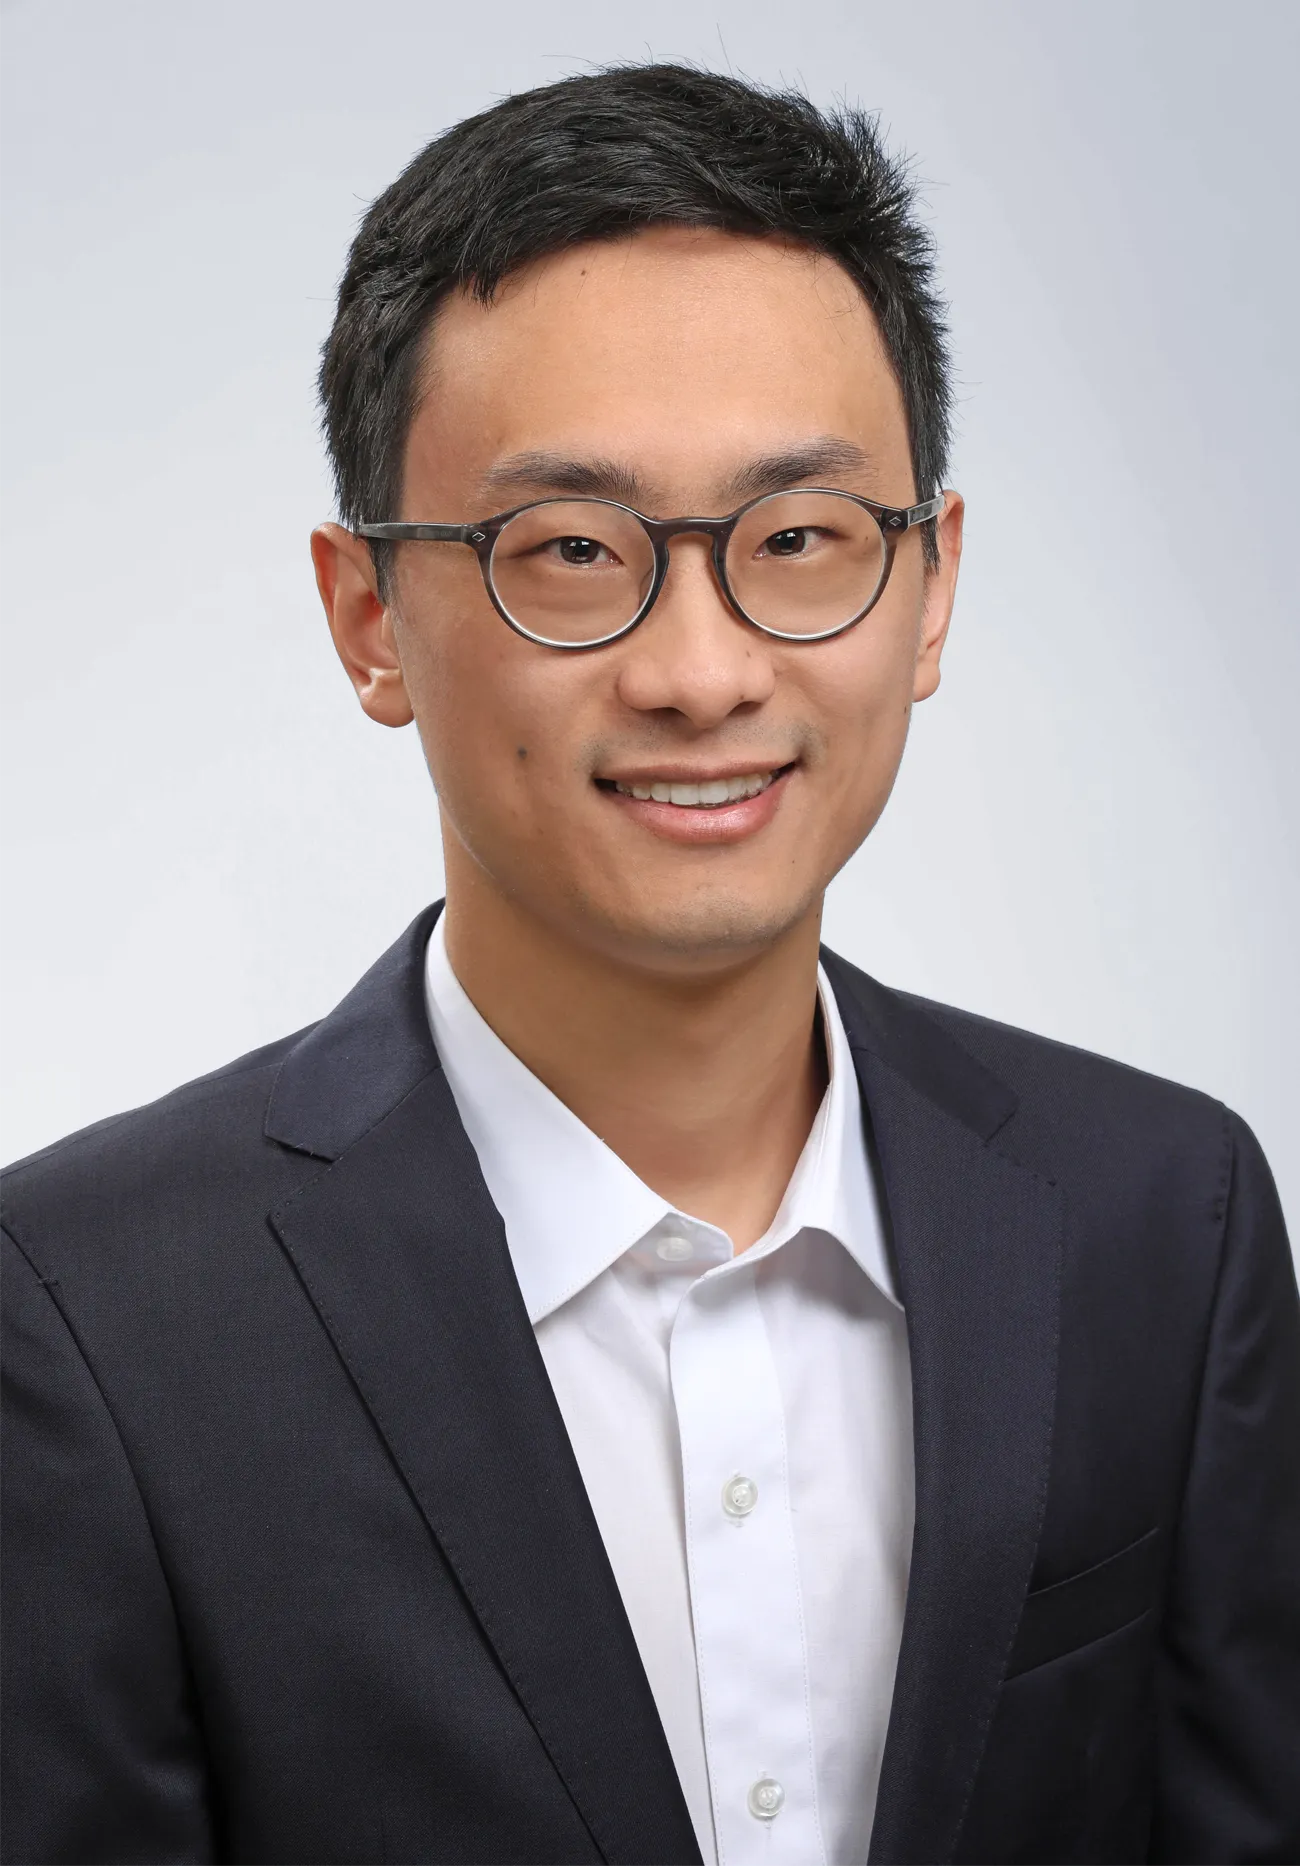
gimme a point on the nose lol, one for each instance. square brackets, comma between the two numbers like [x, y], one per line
[693, 655]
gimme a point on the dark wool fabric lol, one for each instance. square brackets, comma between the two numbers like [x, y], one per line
[299, 1565]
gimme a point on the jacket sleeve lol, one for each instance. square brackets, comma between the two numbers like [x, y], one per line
[102, 1758]
[1228, 1726]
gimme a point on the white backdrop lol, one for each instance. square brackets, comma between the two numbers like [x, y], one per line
[1095, 833]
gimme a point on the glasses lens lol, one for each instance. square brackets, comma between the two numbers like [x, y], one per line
[571, 571]
[806, 563]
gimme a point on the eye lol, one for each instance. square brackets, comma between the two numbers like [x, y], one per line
[580, 552]
[796, 541]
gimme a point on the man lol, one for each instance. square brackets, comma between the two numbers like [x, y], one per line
[624, 1387]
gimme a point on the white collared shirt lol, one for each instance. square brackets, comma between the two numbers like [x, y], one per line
[743, 1425]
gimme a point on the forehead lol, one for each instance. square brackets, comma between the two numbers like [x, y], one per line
[679, 349]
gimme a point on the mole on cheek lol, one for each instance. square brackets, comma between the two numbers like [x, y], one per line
[521, 751]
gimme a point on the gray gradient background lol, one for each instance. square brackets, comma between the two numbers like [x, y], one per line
[1094, 834]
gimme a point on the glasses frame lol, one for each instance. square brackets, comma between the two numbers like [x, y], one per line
[482, 534]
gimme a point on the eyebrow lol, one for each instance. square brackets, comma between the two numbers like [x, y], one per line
[543, 472]
[826, 456]
[552, 472]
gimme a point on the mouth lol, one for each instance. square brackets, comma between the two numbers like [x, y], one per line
[713, 807]
[708, 794]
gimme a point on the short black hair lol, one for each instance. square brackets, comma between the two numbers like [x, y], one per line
[601, 156]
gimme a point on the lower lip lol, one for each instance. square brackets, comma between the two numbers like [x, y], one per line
[724, 822]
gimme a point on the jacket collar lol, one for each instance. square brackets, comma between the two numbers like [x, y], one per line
[354, 1067]
[404, 1255]
[897, 1032]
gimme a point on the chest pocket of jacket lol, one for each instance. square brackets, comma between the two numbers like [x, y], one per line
[1086, 1606]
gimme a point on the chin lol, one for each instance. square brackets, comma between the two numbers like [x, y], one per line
[697, 929]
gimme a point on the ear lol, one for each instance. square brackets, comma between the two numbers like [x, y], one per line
[940, 588]
[361, 623]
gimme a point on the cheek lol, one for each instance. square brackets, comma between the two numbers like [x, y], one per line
[496, 716]
[455, 653]
[864, 688]
[862, 701]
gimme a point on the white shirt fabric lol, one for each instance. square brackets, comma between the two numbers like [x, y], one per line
[743, 1426]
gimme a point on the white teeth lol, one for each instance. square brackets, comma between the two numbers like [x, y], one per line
[706, 796]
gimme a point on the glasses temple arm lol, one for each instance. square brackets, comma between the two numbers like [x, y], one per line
[398, 533]
[919, 514]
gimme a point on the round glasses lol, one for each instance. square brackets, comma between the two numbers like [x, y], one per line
[578, 573]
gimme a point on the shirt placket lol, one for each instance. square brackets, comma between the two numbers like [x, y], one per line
[744, 1581]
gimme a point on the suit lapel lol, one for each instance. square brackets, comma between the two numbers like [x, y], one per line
[976, 1239]
[404, 1256]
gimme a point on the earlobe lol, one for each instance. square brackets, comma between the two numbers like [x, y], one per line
[360, 623]
[941, 586]
[926, 681]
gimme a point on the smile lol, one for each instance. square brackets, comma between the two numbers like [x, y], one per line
[709, 808]
[710, 794]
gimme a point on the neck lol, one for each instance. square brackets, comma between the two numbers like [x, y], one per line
[706, 1087]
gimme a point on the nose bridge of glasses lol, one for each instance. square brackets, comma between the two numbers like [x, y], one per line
[715, 530]
[662, 529]
[714, 535]
[697, 574]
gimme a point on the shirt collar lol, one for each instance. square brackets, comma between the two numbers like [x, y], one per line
[571, 1207]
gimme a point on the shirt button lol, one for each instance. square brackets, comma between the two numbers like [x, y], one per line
[739, 1495]
[766, 1799]
[673, 1250]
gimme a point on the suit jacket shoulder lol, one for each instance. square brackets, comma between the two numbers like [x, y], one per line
[1068, 1112]
[1046, 1067]
[198, 1143]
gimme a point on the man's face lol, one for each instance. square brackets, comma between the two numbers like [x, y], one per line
[671, 363]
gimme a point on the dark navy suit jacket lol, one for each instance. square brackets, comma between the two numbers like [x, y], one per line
[300, 1567]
